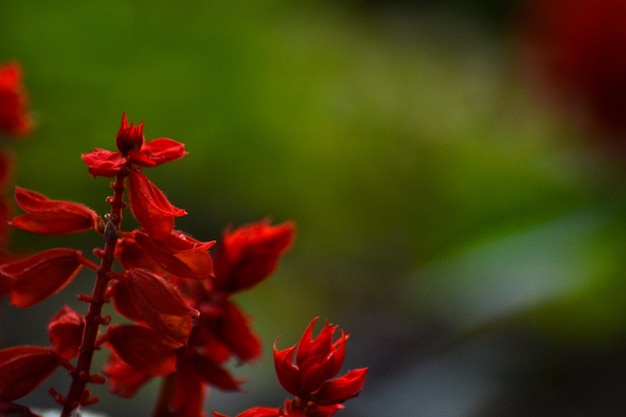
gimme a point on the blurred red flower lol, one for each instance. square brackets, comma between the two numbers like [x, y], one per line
[14, 117]
[578, 46]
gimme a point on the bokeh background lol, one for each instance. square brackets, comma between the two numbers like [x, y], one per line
[454, 169]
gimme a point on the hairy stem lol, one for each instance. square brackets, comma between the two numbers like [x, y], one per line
[93, 318]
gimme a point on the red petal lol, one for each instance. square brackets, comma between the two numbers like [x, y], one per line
[104, 163]
[47, 216]
[65, 332]
[215, 375]
[161, 305]
[315, 349]
[341, 389]
[163, 150]
[261, 412]
[131, 255]
[24, 368]
[142, 349]
[251, 253]
[123, 379]
[236, 332]
[288, 374]
[179, 254]
[316, 369]
[150, 206]
[124, 301]
[41, 275]
[188, 393]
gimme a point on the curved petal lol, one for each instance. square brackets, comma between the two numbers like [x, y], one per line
[141, 348]
[151, 207]
[65, 332]
[124, 380]
[161, 306]
[24, 368]
[46, 216]
[341, 389]
[250, 253]
[163, 150]
[288, 374]
[104, 163]
[41, 275]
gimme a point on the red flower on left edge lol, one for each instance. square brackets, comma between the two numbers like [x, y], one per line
[14, 117]
[133, 151]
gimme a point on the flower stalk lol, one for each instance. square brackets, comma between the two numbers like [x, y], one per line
[93, 318]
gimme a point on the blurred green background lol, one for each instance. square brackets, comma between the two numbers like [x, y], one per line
[461, 230]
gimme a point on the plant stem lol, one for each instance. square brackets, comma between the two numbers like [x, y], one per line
[166, 391]
[93, 318]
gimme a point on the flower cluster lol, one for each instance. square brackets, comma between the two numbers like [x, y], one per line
[311, 378]
[185, 325]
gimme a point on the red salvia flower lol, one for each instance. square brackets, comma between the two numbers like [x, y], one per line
[45, 216]
[133, 152]
[14, 117]
[250, 253]
[65, 331]
[310, 378]
[41, 275]
[317, 360]
[24, 368]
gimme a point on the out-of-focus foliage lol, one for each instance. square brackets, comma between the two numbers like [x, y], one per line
[442, 210]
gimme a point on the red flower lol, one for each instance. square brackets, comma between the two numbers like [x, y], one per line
[14, 118]
[250, 253]
[579, 45]
[41, 275]
[133, 152]
[45, 216]
[317, 360]
[65, 332]
[24, 368]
